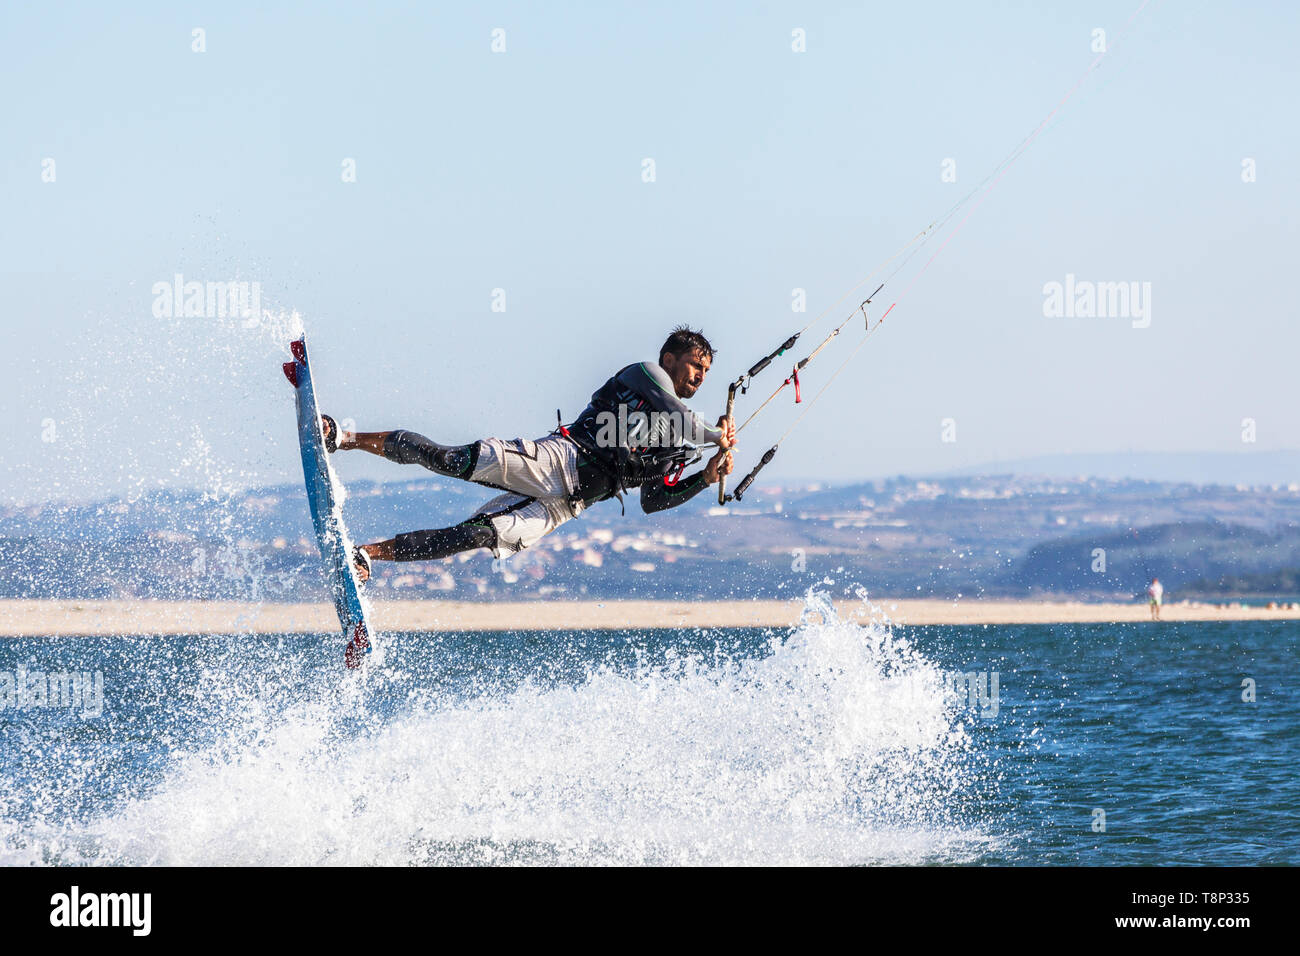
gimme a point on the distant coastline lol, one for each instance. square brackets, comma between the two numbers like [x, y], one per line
[1003, 538]
[70, 618]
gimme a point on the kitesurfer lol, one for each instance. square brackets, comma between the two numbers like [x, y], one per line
[636, 432]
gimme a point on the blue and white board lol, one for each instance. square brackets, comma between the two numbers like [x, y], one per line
[326, 511]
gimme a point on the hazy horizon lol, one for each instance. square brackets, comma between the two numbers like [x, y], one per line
[1272, 469]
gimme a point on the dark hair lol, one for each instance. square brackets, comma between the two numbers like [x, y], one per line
[683, 339]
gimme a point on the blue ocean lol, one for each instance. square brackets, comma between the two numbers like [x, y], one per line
[844, 740]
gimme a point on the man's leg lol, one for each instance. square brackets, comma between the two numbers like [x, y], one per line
[408, 448]
[469, 535]
[544, 468]
[506, 524]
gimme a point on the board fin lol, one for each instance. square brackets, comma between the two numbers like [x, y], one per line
[358, 646]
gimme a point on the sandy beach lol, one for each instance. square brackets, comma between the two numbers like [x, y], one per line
[78, 618]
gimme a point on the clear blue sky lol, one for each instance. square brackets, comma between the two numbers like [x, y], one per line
[522, 171]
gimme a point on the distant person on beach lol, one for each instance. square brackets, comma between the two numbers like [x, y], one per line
[1155, 593]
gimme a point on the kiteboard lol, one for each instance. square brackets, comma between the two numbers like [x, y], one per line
[327, 511]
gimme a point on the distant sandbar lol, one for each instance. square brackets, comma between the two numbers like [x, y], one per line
[20, 618]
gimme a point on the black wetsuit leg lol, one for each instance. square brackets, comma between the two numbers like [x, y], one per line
[408, 448]
[438, 543]
[458, 461]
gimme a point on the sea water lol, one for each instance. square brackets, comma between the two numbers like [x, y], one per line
[843, 740]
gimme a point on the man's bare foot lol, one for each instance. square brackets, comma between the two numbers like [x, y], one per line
[361, 563]
[336, 439]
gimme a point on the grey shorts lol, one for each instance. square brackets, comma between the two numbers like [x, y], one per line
[541, 476]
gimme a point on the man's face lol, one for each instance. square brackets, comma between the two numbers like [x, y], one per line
[686, 370]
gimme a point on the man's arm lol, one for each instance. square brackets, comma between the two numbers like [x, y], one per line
[661, 497]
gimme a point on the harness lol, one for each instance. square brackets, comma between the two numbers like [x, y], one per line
[632, 467]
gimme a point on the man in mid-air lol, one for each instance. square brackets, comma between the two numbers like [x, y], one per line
[637, 432]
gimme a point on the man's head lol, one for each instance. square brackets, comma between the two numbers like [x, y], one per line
[686, 357]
